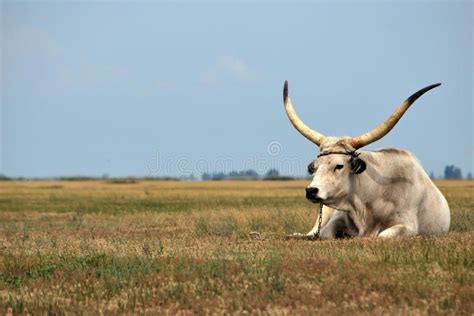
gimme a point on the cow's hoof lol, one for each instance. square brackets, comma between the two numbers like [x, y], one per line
[298, 236]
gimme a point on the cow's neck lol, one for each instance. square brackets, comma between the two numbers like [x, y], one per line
[357, 210]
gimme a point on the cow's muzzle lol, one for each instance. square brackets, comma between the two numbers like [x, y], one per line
[312, 194]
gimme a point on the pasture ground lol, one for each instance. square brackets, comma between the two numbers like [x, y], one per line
[115, 247]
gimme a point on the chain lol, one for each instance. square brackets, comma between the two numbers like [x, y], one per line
[320, 220]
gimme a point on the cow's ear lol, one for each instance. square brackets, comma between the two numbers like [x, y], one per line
[357, 165]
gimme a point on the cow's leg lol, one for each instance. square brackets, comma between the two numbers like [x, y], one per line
[327, 214]
[398, 230]
[337, 225]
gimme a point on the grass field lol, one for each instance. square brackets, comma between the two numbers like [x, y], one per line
[93, 247]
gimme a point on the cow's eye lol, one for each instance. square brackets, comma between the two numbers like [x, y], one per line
[338, 167]
[311, 168]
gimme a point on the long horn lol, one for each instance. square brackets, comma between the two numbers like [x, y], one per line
[387, 126]
[307, 132]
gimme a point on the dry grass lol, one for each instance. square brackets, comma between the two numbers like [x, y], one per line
[168, 247]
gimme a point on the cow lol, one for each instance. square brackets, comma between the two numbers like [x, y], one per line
[381, 193]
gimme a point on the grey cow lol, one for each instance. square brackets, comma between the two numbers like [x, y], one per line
[383, 193]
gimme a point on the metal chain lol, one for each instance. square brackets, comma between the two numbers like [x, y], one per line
[320, 220]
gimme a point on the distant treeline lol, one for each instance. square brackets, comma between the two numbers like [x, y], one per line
[450, 172]
[272, 174]
[250, 174]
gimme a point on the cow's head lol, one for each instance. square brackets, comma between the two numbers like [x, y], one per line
[339, 163]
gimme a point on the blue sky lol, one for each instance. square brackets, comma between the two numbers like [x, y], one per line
[145, 88]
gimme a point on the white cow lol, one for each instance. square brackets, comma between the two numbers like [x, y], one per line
[382, 193]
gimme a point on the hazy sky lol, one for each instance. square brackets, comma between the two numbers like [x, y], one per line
[142, 88]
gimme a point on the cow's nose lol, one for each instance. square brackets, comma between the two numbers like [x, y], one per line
[311, 191]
